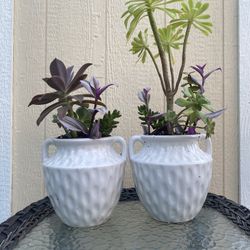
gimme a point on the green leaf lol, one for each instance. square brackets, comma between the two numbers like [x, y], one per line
[193, 13]
[140, 46]
[109, 122]
[138, 9]
[182, 102]
[170, 116]
[84, 115]
[171, 38]
[187, 92]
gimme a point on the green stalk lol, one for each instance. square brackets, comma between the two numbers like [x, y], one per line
[169, 97]
[183, 57]
[93, 117]
[171, 68]
[157, 69]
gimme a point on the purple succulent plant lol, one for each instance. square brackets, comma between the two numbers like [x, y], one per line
[144, 96]
[200, 70]
[93, 87]
[74, 113]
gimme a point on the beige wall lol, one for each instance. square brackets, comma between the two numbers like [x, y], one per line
[79, 31]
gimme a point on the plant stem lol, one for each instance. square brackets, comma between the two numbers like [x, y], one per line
[183, 57]
[157, 69]
[171, 69]
[186, 124]
[168, 94]
[93, 117]
[181, 112]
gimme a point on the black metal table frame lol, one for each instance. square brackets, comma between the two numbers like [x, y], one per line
[17, 226]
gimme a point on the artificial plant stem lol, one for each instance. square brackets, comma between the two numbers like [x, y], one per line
[181, 112]
[71, 114]
[93, 117]
[186, 124]
[157, 69]
[163, 60]
[183, 57]
[171, 69]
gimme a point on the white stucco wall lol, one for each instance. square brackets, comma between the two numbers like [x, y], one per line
[244, 91]
[79, 31]
[6, 30]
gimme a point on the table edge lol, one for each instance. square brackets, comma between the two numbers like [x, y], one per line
[17, 226]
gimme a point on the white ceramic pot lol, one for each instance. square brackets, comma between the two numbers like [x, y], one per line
[84, 178]
[172, 175]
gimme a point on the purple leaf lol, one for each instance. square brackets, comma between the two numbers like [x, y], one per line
[101, 90]
[208, 74]
[87, 86]
[77, 84]
[191, 131]
[62, 111]
[44, 98]
[199, 69]
[57, 68]
[79, 98]
[95, 83]
[79, 76]
[72, 124]
[47, 111]
[93, 87]
[69, 74]
[144, 96]
[55, 82]
[215, 114]
[155, 117]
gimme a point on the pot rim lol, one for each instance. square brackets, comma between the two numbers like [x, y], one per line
[65, 140]
[172, 138]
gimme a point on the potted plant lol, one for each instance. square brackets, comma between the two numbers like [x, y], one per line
[84, 176]
[171, 172]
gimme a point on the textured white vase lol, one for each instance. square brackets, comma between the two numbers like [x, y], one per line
[84, 178]
[172, 175]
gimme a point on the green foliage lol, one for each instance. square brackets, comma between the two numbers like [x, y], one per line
[138, 9]
[170, 39]
[193, 100]
[175, 36]
[171, 116]
[210, 125]
[194, 103]
[196, 112]
[143, 113]
[140, 46]
[108, 122]
[83, 115]
[193, 13]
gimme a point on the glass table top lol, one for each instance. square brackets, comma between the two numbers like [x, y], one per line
[130, 227]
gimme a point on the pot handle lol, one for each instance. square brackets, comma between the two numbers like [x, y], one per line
[208, 145]
[45, 148]
[132, 141]
[119, 140]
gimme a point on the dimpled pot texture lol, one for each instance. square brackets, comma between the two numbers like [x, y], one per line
[172, 175]
[84, 178]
